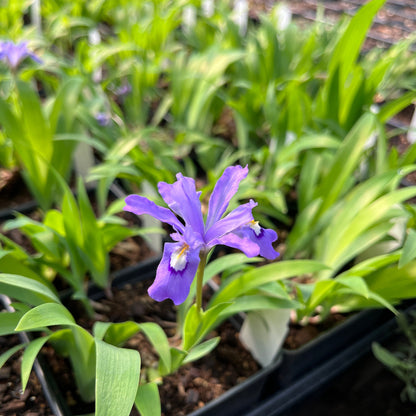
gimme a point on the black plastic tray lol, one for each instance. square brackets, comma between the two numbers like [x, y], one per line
[296, 363]
[282, 401]
[278, 399]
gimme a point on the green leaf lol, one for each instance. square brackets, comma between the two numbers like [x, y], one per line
[345, 161]
[356, 284]
[93, 250]
[382, 301]
[210, 318]
[393, 107]
[45, 315]
[257, 302]
[29, 356]
[191, 327]
[409, 248]
[100, 329]
[348, 47]
[225, 263]
[160, 342]
[265, 274]
[9, 263]
[8, 322]
[10, 122]
[177, 356]
[385, 356]
[382, 209]
[6, 355]
[148, 400]
[118, 333]
[321, 290]
[117, 379]
[73, 235]
[201, 350]
[37, 130]
[65, 103]
[25, 289]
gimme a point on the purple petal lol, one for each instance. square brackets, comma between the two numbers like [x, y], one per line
[140, 205]
[35, 58]
[189, 237]
[103, 119]
[245, 244]
[182, 198]
[263, 237]
[235, 219]
[175, 284]
[123, 90]
[224, 190]
[15, 53]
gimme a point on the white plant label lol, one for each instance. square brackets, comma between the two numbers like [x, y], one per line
[263, 333]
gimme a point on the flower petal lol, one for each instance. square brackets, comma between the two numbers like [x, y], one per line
[182, 198]
[263, 237]
[247, 246]
[140, 205]
[224, 190]
[15, 53]
[35, 57]
[175, 273]
[235, 219]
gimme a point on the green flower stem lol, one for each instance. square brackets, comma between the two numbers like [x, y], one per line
[200, 280]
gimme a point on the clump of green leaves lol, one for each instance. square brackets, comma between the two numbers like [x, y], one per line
[73, 242]
[39, 135]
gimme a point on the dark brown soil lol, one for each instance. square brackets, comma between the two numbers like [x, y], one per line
[300, 335]
[14, 402]
[13, 191]
[130, 251]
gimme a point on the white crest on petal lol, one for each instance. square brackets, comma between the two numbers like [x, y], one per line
[178, 259]
[254, 225]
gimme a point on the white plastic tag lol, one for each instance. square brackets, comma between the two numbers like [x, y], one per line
[263, 333]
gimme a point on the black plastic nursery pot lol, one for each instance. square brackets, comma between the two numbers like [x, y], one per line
[24, 208]
[296, 363]
[315, 365]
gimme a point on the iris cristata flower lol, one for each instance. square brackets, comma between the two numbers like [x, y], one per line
[14, 53]
[193, 238]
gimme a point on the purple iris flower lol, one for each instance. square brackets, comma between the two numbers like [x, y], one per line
[125, 89]
[192, 236]
[103, 119]
[14, 53]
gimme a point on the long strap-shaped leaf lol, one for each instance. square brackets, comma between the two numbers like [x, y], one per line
[346, 53]
[25, 289]
[117, 379]
[148, 400]
[265, 274]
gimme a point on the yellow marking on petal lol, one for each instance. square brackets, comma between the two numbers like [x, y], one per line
[254, 225]
[178, 259]
[184, 249]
